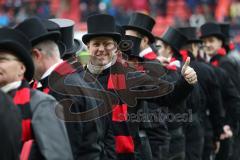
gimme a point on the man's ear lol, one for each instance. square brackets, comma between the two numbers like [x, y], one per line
[36, 54]
[23, 68]
[88, 45]
[145, 39]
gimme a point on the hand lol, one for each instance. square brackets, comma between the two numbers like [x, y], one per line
[227, 132]
[188, 72]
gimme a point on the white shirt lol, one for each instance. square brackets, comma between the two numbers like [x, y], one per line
[11, 86]
[145, 51]
[98, 69]
[50, 70]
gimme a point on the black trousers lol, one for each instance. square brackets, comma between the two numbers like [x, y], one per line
[177, 144]
[225, 150]
[208, 140]
[236, 144]
[159, 139]
[194, 139]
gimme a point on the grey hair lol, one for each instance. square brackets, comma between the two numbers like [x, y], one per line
[48, 48]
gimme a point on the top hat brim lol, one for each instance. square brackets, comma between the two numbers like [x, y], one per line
[62, 47]
[141, 31]
[77, 46]
[168, 43]
[219, 35]
[194, 41]
[22, 54]
[87, 37]
[53, 35]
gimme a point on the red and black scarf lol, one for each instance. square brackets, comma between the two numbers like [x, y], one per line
[215, 60]
[124, 140]
[21, 97]
[62, 69]
[124, 129]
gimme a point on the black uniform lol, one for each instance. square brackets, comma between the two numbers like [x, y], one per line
[11, 129]
[157, 132]
[210, 102]
[231, 103]
[88, 136]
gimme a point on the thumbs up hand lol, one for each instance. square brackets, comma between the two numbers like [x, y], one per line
[188, 72]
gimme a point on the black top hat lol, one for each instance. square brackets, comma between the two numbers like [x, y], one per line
[174, 39]
[225, 29]
[141, 23]
[18, 43]
[67, 36]
[120, 30]
[190, 33]
[211, 29]
[35, 30]
[51, 26]
[101, 25]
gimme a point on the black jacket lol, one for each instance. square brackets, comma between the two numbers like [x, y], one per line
[87, 134]
[11, 129]
[231, 64]
[207, 80]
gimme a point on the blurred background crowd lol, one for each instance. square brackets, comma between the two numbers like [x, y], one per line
[166, 12]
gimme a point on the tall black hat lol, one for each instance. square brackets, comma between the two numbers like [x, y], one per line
[190, 33]
[174, 39]
[18, 43]
[101, 25]
[211, 29]
[141, 23]
[51, 26]
[67, 36]
[225, 29]
[35, 30]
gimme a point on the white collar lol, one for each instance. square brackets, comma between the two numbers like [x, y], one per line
[98, 69]
[11, 86]
[50, 70]
[145, 51]
[176, 63]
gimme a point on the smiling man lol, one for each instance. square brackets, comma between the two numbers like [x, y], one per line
[43, 135]
[128, 85]
[115, 78]
[213, 40]
[97, 47]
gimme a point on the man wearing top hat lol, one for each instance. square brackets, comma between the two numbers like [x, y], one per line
[169, 46]
[232, 66]
[140, 25]
[62, 80]
[211, 97]
[43, 135]
[102, 41]
[153, 134]
[213, 41]
[156, 131]
[11, 129]
[231, 63]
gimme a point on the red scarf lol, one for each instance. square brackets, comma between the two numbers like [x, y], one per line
[170, 66]
[215, 59]
[124, 142]
[21, 98]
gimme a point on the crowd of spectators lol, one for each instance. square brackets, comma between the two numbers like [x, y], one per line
[166, 12]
